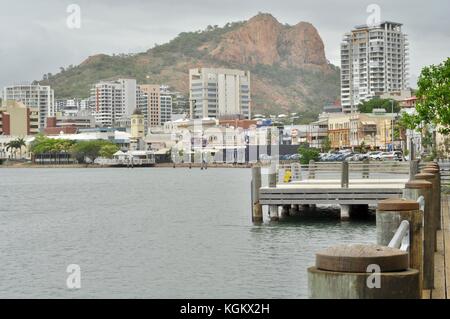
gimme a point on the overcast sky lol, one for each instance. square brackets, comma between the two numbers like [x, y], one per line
[35, 39]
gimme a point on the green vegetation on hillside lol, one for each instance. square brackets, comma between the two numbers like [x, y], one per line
[303, 90]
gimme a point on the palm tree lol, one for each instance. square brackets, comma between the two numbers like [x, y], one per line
[15, 145]
[12, 145]
[20, 142]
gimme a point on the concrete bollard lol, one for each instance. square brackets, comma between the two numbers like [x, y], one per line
[434, 169]
[363, 272]
[257, 215]
[413, 190]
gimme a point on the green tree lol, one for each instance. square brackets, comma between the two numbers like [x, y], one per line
[43, 144]
[308, 153]
[433, 99]
[15, 145]
[11, 146]
[88, 149]
[108, 150]
[377, 103]
[20, 142]
[326, 144]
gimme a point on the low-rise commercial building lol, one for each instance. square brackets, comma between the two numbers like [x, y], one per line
[16, 119]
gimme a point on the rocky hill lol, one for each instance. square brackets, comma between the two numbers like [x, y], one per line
[289, 69]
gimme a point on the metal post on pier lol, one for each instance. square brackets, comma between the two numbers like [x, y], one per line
[273, 209]
[257, 215]
[344, 175]
[365, 169]
[311, 169]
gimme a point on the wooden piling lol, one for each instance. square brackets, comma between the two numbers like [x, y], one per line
[348, 272]
[413, 190]
[434, 169]
[285, 210]
[413, 169]
[436, 198]
[429, 233]
[273, 209]
[257, 215]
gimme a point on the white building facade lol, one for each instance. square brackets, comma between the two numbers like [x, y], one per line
[114, 101]
[33, 96]
[374, 60]
[218, 93]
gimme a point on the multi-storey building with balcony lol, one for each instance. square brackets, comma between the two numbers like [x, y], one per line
[158, 102]
[374, 60]
[113, 102]
[216, 93]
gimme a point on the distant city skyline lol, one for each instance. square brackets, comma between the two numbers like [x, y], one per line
[36, 39]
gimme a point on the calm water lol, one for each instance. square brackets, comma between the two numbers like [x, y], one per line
[153, 233]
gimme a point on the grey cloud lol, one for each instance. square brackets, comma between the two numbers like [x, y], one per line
[35, 39]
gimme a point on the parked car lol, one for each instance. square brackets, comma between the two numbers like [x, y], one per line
[392, 156]
[375, 155]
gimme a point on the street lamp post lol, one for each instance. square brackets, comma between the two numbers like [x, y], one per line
[392, 124]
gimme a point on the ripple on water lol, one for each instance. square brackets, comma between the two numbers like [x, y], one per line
[154, 233]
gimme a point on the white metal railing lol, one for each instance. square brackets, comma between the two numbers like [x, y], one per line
[401, 237]
[333, 170]
[421, 201]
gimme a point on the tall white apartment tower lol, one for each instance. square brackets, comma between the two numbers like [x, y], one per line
[374, 59]
[217, 93]
[33, 96]
[113, 102]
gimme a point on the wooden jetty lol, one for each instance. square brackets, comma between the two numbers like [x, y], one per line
[347, 184]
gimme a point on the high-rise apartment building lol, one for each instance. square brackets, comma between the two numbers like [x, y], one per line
[152, 112]
[71, 106]
[33, 96]
[113, 102]
[166, 105]
[216, 93]
[374, 60]
[159, 104]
